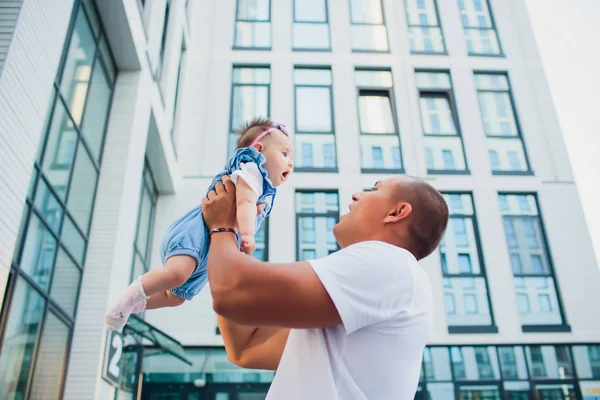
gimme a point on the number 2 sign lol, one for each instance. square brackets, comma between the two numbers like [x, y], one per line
[111, 371]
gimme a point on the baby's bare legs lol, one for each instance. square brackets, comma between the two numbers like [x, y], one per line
[176, 272]
[150, 291]
[163, 299]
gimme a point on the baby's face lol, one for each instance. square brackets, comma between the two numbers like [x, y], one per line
[279, 154]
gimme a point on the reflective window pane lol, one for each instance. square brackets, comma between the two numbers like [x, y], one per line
[47, 204]
[424, 32]
[261, 244]
[436, 115]
[51, 360]
[82, 189]
[311, 36]
[375, 113]
[20, 336]
[251, 75]
[479, 30]
[543, 307]
[65, 282]
[310, 10]
[549, 362]
[497, 114]
[313, 109]
[38, 252]
[256, 10]
[475, 363]
[144, 222]
[373, 79]
[507, 155]
[60, 150]
[96, 110]
[587, 361]
[253, 35]
[512, 361]
[73, 240]
[317, 214]
[366, 11]
[471, 306]
[444, 154]
[390, 151]
[432, 80]
[369, 38]
[315, 151]
[78, 67]
[440, 391]
[488, 392]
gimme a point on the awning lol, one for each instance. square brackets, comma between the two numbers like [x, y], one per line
[158, 338]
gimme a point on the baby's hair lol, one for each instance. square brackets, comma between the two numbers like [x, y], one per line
[251, 129]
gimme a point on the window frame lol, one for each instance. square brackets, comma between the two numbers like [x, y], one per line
[449, 95]
[389, 93]
[314, 215]
[233, 129]
[383, 23]
[326, 22]
[528, 328]
[494, 27]
[529, 171]
[332, 117]
[235, 23]
[459, 329]
[444, 52]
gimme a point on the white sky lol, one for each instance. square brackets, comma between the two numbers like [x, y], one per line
[568, 35]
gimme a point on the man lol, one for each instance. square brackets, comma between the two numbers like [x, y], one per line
[352, 325]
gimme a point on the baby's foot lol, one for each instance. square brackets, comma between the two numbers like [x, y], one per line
[132, 300]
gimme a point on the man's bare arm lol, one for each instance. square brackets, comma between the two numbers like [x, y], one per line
[252, 347]
[251, 292]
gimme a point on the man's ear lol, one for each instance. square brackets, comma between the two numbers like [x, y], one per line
[398, 213]
[259, 146]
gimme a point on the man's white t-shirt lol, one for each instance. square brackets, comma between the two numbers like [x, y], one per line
[384, 299]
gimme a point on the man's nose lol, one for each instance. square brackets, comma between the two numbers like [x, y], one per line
[356, 196]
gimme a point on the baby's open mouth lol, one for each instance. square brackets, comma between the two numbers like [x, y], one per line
[285, 175]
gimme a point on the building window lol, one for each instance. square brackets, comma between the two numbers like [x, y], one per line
[253, 25]
[530, 260]
[450, 304]
[462, 267]
[142, 246]
[424, 30]
[316, 214]
[163, 40]
[45, 275]
[444, 148]
[506, 372]
[504, 140]
[369, 32]
[479, 28]
[176, 101]
[262, 242]
[311, 25]
[587, 361]
[250, 97]
[314, 120]
[378, 128]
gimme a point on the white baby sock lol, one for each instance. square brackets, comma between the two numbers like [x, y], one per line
[132, 300]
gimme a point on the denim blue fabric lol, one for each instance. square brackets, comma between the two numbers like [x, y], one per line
[189, 235]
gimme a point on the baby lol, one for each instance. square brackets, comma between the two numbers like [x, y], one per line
[262, 161]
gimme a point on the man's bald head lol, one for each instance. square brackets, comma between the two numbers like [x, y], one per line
[403, 211]
[429, 214]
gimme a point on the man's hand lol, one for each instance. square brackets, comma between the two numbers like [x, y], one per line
[218, 207]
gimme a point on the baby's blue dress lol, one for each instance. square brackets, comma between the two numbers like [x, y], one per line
[189, 236]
